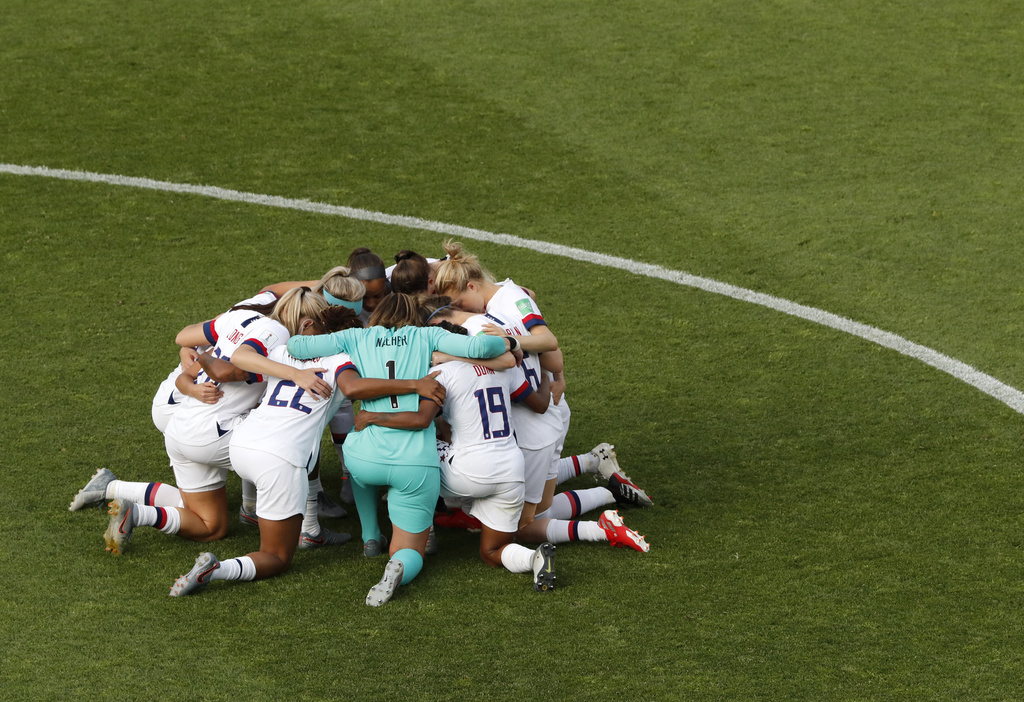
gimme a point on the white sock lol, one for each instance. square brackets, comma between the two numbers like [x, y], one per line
[572, 503]
[310, 520]
[248, 496]
[153, 494]
[516, 558]
[571, 466]
[560, 531]
[172, 520]
[166, 519]
[241, 568]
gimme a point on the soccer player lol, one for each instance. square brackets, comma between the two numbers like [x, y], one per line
[198, 435]
[544, 527]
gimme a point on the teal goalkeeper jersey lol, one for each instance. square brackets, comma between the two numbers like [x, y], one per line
[402, 354]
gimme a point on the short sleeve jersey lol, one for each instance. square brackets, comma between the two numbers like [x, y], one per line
[289, 422]
[478, 406]
[196, 423]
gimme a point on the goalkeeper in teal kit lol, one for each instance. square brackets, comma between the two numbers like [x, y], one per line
[393, 451]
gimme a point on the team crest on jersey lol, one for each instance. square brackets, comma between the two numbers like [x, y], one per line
[524, 306]
[235, 336]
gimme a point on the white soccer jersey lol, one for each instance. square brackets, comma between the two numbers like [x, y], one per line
[289, 422]
[478, 407]
[168, 398]
[196, 423]
[533, 431]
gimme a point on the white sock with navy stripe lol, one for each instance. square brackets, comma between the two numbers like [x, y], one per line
[560, 531]
[166, 519]
[153, 494]
[572, 503]
[241, 568]
[571, 466]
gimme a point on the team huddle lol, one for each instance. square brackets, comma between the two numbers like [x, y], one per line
[460, 382]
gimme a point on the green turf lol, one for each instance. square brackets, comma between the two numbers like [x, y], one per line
[832, 520]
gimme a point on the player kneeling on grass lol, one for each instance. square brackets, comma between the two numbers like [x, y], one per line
[279, 439]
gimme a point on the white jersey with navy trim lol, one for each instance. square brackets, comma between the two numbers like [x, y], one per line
[533, 431]
[196, 423]
[289, 422]
[478, 406]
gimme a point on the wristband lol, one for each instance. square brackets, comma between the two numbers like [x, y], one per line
[513, 343]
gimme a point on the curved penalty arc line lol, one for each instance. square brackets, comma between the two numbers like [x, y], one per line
[1006, 394]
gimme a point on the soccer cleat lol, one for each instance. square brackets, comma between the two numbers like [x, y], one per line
[432, 547]
[248, 518]
[122, 522]
[626, 492]
[196, 579]
[619, 534]
[325, 507]
[608, 463]
[375, 547]
[326, 537]
[458, 520]
[385, 589]
[94, 492]
[543, 564]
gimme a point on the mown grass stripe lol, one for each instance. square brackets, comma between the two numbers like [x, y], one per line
[1006, 394]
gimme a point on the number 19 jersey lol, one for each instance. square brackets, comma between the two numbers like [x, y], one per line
[478, 407]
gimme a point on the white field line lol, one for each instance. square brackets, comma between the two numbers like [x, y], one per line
[958, 369]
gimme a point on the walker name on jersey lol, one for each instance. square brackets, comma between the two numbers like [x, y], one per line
[393, 341]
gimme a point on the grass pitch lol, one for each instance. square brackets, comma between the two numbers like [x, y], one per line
[832, 520]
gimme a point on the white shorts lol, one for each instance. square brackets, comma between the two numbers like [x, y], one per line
[199, 468]
[281, 488]
[497, 505]
[563, 412]
[540, 465]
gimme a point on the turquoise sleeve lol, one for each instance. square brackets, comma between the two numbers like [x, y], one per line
[317, 346]
[469, 346]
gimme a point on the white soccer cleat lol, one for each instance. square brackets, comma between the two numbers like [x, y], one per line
[543, 565]
[119, 529]
[197, 578]
[385, 589]
[608, 462]
[619, 534]
[94, 492]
